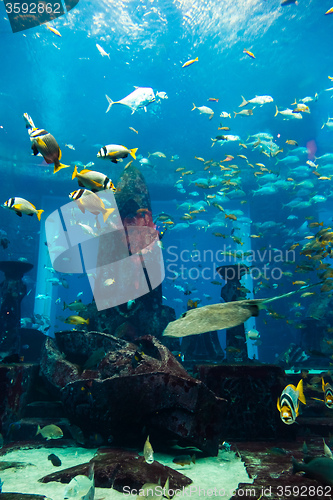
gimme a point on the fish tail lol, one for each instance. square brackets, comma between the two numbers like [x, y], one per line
[194, 107]
[110, 101]
[235, 114]
[74, 173]
[59, 166]
[132, 152]
[299, 388]
[39, 213]
[276, 112]
[65, 306]
[211, 116]
[294, 103]
[38, 430]
[193, 458]
[87, 321]
[297, 467]
[107, 213]
[244, 103]
[196, 59]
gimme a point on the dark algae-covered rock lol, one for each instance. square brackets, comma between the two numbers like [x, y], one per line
[120, 469]
[134, 386]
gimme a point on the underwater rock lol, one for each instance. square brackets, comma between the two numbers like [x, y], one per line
[135, 386]
[118, 469]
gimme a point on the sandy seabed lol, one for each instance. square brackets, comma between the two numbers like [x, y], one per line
[212, 477]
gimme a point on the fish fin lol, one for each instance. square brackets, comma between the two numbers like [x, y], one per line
[278, 404]
[132, 152]
[96, 184]
[299, 388]
[196, 59]
[294, 103]
[19, 206]
[39, 213]
[144, 109]
[244, 102]
[85, 171]
[107, 213]
[19, 214]
[40, 142]
[59, 154]
[193, 458]
[211, 116]
[80, 206]
[194, 107]
[114, 160]
[317, 399]
[87, 321]
[235, 114]
[65, 306]
[35, 149]
[74, 173]
[59, 166]
[110, 101]
[276, 112]
[323, 384]
[38, 430]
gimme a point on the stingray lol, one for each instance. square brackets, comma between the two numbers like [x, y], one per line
[220, 316]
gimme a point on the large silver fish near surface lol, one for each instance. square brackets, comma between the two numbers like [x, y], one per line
[139, 98]
[220, 316]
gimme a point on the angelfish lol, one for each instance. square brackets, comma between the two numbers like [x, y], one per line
[220, 316]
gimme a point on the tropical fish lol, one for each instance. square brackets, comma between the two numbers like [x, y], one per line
[22, 206]
[44, 143]
[258, 99]
[288, 403]
[95, 181]
[320, 468]
[50, 432]
[184, 460]
[224, 114]
[289, 2]
[288, 114]
[250, 54]
[50, 28]
[244, 112]
[115, 151]
[328, 393]
[81, 487]
[102, 51]
[87, 200]
[54, 460]
[188, 63]
[76, 320]
[77, 306]
[148, 452]
[139, 98]
[204, 110]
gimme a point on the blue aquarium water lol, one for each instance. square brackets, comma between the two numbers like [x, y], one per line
[252, 188]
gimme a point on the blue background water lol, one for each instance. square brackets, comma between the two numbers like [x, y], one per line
[62, 82]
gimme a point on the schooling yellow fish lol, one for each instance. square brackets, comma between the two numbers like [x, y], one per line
[288, 403]
[22, 206]
[188, 63]
[76, 320]
[250, 54]
[87, 200]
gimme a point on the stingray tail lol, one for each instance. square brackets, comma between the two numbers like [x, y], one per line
[302, 289]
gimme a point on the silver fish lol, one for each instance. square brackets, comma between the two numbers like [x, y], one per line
[139, 98]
